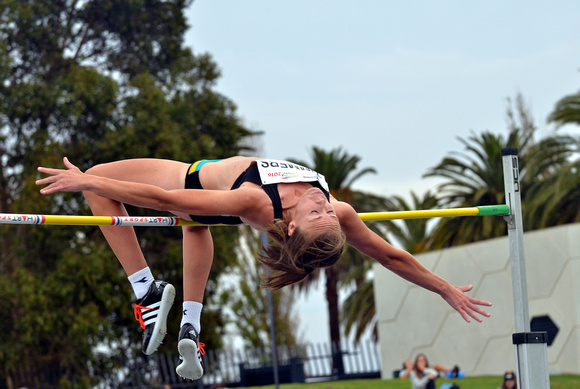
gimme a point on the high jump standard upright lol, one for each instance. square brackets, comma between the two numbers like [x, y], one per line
[530, 347]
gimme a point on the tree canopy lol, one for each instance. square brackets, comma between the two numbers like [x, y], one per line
[104, 80]
[475, 177]
[96, 81]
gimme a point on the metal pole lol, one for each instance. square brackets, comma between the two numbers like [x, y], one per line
[264, 241]
[530, 347]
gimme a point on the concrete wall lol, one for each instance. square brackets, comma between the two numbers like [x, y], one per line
[412, 320]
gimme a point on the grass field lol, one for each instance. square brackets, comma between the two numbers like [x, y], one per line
[556, 382]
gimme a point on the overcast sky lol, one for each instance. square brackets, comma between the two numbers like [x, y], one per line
[394, 82]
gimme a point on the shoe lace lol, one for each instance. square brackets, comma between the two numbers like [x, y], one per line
[201, 346]
[139, 315]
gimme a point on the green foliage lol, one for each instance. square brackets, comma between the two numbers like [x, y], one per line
[248, 303]
[548, 178]
[552, 195]
[412, 234]
[96, 81]
[58, 317]
[358, 310]
[567, 110]
[340, 170]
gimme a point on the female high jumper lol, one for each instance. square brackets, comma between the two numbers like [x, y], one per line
[307, 227]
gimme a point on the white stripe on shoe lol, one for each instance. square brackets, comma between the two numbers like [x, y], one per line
[158, 315]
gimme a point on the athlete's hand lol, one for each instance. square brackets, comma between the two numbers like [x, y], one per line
[466, 306]
[70, 179]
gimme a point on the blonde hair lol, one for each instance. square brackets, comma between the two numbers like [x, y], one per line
[293, 257]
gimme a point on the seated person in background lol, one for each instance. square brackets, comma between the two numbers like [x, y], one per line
[441, 370]
[509, 381]
[422, 376]
[406, 370]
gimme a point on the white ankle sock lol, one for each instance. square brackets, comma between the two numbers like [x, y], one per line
[141, 281]
[192, 314]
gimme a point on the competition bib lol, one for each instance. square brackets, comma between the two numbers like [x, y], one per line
[273, 171]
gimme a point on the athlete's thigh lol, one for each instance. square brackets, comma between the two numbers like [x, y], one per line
[164, 173]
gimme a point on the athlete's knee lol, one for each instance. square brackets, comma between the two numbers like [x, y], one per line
[97, 170]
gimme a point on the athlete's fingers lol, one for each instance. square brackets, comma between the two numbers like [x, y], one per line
[45, 180]
[68, 164]
[481, 302]
[48, 170]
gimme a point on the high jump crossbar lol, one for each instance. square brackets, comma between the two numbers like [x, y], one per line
[168, 221]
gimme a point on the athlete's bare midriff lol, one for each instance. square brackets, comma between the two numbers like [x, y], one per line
[221, 175]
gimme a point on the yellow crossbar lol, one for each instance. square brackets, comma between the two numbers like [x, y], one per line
[167, 221]
[483, 210]
[420, 214]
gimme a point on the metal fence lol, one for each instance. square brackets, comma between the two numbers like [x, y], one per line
[232, 368]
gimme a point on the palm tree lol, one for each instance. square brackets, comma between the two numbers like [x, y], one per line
[554, 198]
[358, 309]
[562, 189]
[567, 110]
[475, 178]
[412, 235]
[339, 169]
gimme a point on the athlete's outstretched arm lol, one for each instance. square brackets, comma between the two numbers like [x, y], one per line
[191, 201]
[406, 266]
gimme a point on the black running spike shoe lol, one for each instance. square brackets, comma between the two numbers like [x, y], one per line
[151, 312]
[190, 351]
